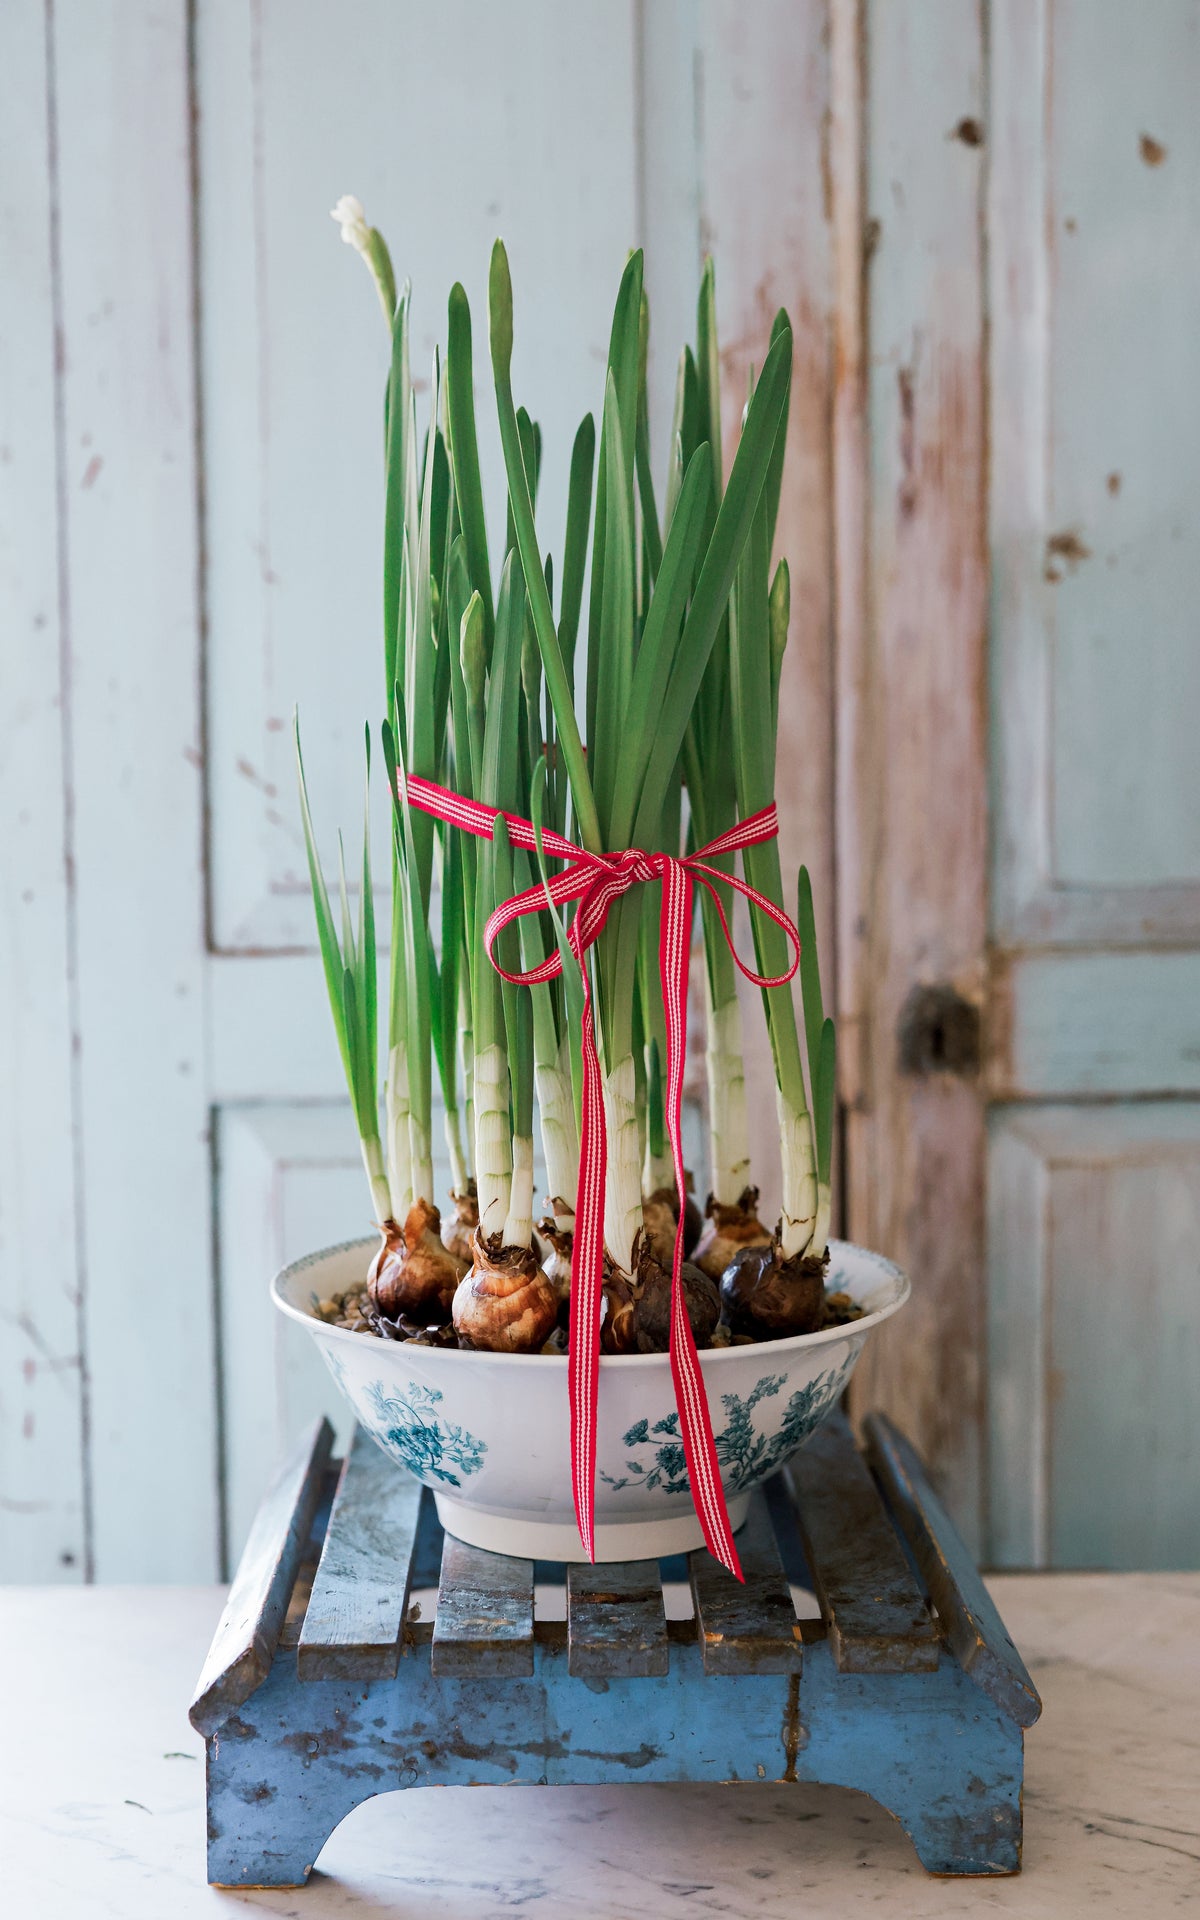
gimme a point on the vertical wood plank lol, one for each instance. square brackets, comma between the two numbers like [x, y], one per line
[484, 1620]
[916, 1140]
[359, 1598]
[745, 92]
[243, 1647]
[877, 1619]
[616, 1627]
[746, 1626]
[42, 1502]
[129, 430]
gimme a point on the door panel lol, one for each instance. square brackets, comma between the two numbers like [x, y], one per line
[134, 838]
[1094, 1234]
[1094, 1336]
[295, 354]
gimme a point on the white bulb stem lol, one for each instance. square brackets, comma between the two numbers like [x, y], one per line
[493, 1141]
[728, 1129]
[798, 1212]
[518, 1227]
[659, 1171]
[381, 1197]
[560, 1141]
[399, 1145]
[422, 1159]
[820, 1238]
[623, 1195]
[454, 1147]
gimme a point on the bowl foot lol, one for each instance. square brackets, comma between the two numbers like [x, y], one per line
[530, 1539]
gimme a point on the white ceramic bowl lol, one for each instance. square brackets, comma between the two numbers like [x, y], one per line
[489, 1433]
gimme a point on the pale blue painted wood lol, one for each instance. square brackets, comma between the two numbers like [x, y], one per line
[1094, 1335]
[298, 1758]
[1093, 1231]
[1092, 282]
[294, 353]
[130, 538]
[1123, 442]
[43, 1523]
[290, 1755]
[1101, 1024]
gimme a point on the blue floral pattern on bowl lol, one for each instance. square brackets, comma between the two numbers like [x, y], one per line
[744, 1453]
[407, 1425]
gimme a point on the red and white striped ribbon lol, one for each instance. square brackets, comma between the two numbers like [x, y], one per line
[596, 882]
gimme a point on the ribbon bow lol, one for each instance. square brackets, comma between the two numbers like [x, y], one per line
[597, 882]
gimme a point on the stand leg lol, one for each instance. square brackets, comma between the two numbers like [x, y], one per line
[267, 1831]
[959, 1822]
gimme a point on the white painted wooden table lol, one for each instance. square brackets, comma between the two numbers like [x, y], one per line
[101, 1789]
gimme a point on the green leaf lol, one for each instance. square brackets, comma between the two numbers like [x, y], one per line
[498, 785]
[622, 370]
[446, 999]
[572, 979]
[327, 939]
[471, 655]
[579, 508]
[399, 411]
[708, 373]
[559, 686]
[518, 1008]
[468, 489]
[685, 427]
[780, 617]
[368, 967]
[774, 480]
[642, 718]
[825, 1107]
[614, 636]
[730, 532]
[810, 977]
[651, 534]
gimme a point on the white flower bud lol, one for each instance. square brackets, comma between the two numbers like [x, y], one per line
[352, 219]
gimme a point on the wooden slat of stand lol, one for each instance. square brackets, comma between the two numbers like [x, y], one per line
[873, 1608]
[750, 1628]
[484, 1620]
[239, 1659]
[973, 1628]
[356, 1611]
[616, 1626]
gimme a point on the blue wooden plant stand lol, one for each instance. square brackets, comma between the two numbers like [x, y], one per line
[323, 1686]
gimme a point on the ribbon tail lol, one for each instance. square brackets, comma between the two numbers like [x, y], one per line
[708, 1495]
[587, 1270]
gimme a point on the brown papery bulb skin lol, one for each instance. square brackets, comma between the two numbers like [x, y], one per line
[660, 1215]
[693, 1221]
[557, 1265]
[652, 1303]
[461, 1223]
[658, 1224]
[618, 1332]
[728, 1231]
[505, 1304]
[771, 1298]
[413, 1275]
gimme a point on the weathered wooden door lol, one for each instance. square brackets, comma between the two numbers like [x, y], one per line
[1021, 618]
[983, 251]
